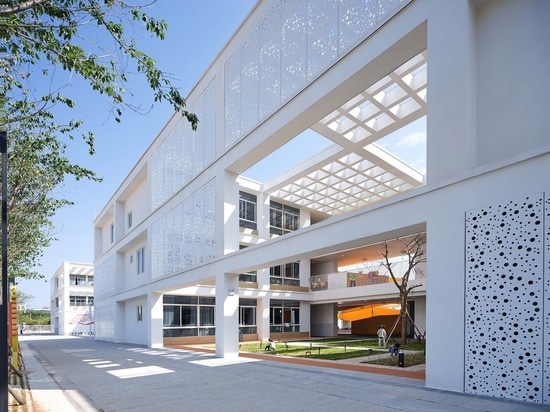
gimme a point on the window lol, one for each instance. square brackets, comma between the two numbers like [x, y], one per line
[287, 274]
[139, 313]
[247, 316]
[77, 280]
[284, 315]
[80, 300]
[140, 260]
[112, 232]
[283, 219]
[188, 316]
[251, 276]
[247, 210]
[129, 219]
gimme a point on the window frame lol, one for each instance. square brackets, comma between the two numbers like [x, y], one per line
[140, 260]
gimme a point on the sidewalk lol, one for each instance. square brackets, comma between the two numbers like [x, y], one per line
[44, 394]
[70, 374]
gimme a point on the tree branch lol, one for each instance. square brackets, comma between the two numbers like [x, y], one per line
[29, 4]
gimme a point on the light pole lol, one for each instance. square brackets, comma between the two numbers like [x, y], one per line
[5, 297]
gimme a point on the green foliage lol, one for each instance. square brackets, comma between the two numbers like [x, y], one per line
[33, 317]
[86, 38]
[23, 298]
[38, 167]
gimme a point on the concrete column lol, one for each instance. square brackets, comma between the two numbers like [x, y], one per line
[154, 313]
[227, 214]
[263, 215]
[262, 318]
[227, 315]
[119, 322]
[263, 279]
[305, 272]
[451, 125]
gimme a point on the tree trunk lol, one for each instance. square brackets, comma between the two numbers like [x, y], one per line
[404, 319]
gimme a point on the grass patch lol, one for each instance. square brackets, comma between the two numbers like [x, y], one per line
[411, 359]
[316, 352]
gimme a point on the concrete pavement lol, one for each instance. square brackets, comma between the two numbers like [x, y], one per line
[69, 374]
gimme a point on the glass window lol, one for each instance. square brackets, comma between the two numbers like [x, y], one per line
[112, 232]
[77, 301]
[140, 260]
[247, 210]
[283, 219]
[287, 274]
[129, 219]
[247, 316]
[284, 316]
[171, 316]
[188, 316]
[207, 315]
[77, 280]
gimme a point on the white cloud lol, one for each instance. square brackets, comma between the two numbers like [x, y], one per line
[412, 139]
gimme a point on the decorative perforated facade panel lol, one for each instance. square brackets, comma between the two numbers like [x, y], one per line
[185, 236]
[104, 282]
[104, 320]
[546, 350]
[506, 329]
[185, 153]
[295, 42]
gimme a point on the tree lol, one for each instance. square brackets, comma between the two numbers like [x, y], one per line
[38, 167]
[38, 40]
[23, 298]
[84, 37]
[414, 248]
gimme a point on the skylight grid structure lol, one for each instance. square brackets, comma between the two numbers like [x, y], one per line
[356, 172]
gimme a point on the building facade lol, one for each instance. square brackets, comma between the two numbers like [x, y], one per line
[190, 248]
[72, 299]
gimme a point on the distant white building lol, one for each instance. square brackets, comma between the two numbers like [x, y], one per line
[72, 299]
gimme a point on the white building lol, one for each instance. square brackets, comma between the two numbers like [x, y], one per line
[72, 299]
[185, 226]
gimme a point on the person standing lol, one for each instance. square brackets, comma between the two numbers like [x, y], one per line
[381, 336]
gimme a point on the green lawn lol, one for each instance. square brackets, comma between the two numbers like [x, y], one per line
[411, 359]
[335, 349]
[314, 352]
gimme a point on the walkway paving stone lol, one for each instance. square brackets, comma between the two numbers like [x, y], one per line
[69, 374]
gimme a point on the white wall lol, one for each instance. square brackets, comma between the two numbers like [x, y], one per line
[135, 331]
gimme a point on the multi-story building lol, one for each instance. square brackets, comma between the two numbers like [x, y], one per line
[188, 247]
[72, 299]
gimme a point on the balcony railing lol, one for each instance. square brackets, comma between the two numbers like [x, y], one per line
[341, 280]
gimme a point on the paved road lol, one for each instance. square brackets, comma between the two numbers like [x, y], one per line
[69, 374]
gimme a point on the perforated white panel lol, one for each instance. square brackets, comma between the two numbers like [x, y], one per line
[185, 153]
[504, 300]
[546, 350]
[291, 46]
[185, 236]
[104, 322]
[104, 279]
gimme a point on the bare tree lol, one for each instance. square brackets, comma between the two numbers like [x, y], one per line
[414, 248]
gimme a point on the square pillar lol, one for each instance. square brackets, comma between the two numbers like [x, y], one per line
[154, 313]
[262, 318]
[227, 315]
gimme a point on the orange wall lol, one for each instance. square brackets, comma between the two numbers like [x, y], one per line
[370, 326]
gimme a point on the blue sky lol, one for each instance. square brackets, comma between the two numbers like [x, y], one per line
[197, 31]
